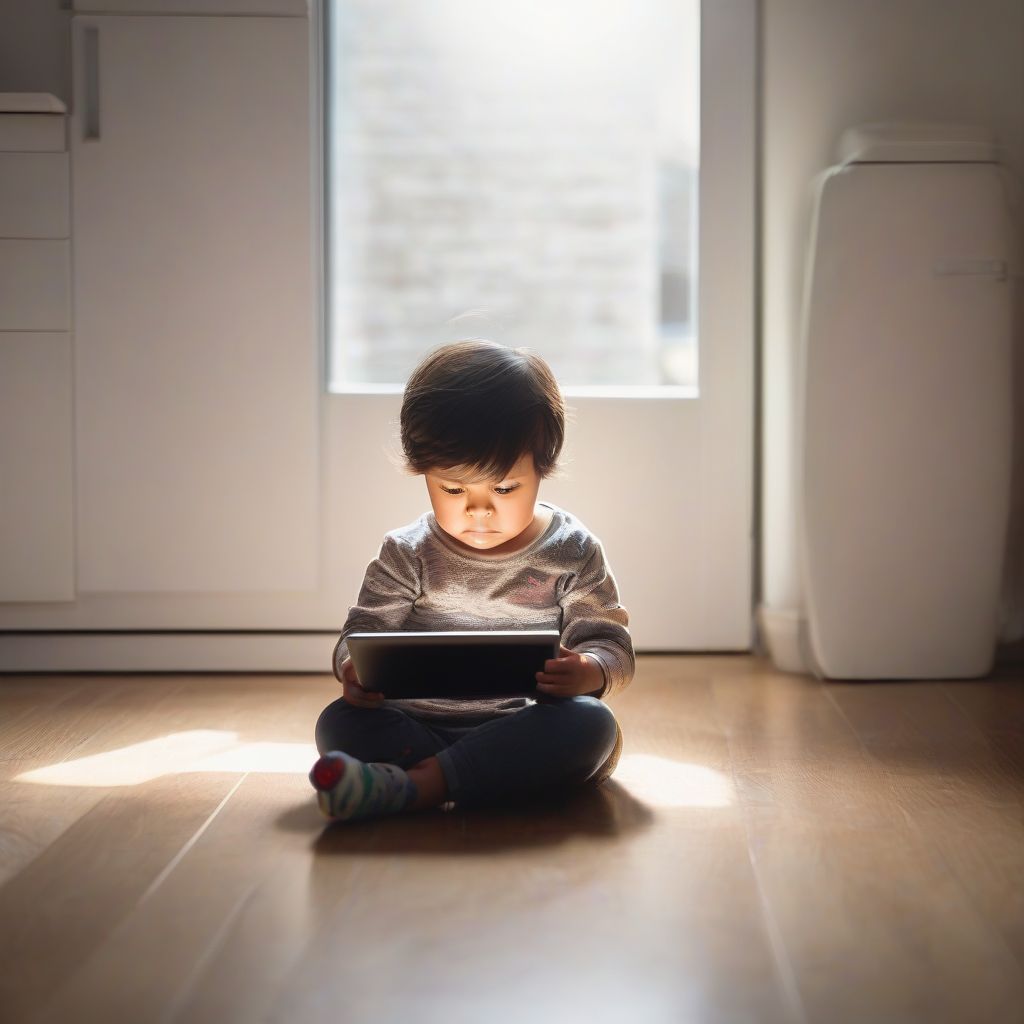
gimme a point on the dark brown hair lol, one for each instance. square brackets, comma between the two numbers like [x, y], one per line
[478, 407]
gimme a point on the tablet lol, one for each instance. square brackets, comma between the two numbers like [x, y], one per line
[482, 663]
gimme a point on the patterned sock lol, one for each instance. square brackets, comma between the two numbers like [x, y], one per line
[349, 788]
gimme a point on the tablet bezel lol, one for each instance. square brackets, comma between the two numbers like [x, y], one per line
[366, 643]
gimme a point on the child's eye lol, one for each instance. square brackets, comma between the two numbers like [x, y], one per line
[505, 490]
[451, 490]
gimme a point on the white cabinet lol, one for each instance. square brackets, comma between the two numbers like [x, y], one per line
[36, 524]
[196, 356]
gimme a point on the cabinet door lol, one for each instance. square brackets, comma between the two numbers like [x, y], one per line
[196, 366]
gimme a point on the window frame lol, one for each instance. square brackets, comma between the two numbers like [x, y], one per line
[726, 264]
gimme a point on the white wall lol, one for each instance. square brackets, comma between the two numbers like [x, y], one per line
[829, 64]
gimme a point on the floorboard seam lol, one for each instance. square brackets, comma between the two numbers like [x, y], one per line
[186, 990]
[162, 877]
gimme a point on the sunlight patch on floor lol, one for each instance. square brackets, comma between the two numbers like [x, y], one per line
[198, 750]
[662, 782]
[658, 781]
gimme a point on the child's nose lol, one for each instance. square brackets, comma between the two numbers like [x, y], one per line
[478, 507]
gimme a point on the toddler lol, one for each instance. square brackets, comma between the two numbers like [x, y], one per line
[483, 424]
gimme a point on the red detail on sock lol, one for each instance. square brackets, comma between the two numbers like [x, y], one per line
[326, 772]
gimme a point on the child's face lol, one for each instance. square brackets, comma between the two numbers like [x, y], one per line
[488, 515]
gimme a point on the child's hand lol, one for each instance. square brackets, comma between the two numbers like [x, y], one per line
[570, 675]
[353, 693]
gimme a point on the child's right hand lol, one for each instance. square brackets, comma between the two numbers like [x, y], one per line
[353, 693]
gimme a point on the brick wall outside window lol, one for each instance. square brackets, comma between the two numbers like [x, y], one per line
[537, 193]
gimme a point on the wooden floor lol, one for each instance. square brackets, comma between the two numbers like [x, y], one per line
[772, 848]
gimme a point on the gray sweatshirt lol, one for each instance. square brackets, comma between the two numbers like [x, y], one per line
[423, 580]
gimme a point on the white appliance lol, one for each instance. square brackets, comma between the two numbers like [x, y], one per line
[906, 391]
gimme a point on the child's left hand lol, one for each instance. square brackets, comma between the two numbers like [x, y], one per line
[570, 675]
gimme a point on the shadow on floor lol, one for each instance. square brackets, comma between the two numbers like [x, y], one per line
[605, 812]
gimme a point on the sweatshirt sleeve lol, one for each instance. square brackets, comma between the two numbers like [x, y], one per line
[596, 624]
[390, 587]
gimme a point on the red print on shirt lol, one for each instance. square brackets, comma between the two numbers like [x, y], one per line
[535, 592]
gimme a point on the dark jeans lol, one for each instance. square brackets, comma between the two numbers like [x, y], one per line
[554, 744]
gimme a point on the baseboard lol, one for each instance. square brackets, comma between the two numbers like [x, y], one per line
[113, 651]
[166, 652]
[784, 631]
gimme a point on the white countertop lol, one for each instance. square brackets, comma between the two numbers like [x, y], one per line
[31, 103]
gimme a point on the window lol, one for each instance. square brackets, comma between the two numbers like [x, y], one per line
[526, 172]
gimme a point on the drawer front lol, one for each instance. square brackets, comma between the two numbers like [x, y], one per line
[36, 510]
[34, 195]
[35, 285]
[36, 133]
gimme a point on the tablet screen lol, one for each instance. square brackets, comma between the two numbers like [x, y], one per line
[454, 665]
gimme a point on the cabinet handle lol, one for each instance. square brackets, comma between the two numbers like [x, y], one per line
[92, 83]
